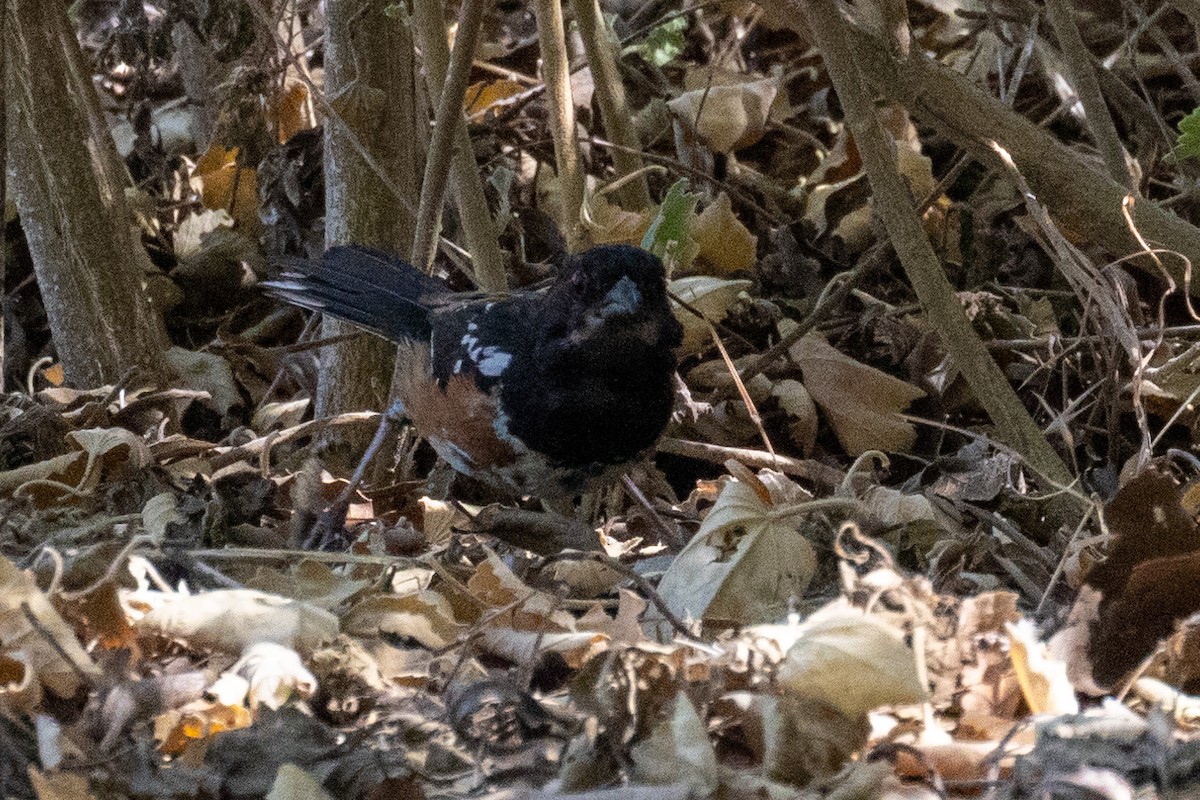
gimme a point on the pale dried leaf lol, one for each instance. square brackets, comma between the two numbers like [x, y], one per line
[712, 297]
[294, 783]
[279, 415]
[231, 620]
[159, 512]
[310, 581]
[840, 641]
[205, 372]
[743, 566]
[861, 402]
[798, 404]
[273, 674]
[728, 117]
[425, 617]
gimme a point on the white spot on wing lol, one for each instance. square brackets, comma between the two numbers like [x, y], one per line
[493, 362]
[489, 359]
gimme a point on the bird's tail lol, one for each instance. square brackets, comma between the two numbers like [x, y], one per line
[366, 287]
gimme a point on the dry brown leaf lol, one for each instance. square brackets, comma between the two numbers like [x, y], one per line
[677, 747]
[47, 482]
[47, 645]
[425, 617]
[806, 740]
[487, 97]
[178, 728]
[624, 627]
[439, 518]
[53, 374]
[1043, 678]
[20, 693]
[726, 244]
[523, 647]
[219, 178]
[819, 199]
[585, 578]
[608, 223]
[727, 117]
[496, 586]
[60, 785]
[112, 447]
[288, 111]
[894, 507]
[860, 402]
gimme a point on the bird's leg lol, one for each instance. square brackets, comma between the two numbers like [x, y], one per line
[334, 518]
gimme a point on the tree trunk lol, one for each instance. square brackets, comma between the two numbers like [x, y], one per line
[370, 80]
[71, 199]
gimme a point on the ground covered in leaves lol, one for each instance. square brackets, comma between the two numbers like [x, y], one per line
[833, 580]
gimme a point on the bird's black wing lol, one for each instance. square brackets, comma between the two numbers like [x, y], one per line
[482, 338]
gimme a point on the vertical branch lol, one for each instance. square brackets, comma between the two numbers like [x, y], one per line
[557, 77]
[614, 110]
[445, 125]
[1087, 86]
[70, 194]
[478, 226]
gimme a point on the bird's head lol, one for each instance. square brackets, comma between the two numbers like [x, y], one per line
[613, 292]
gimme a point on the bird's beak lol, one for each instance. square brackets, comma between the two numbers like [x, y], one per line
[622, 299]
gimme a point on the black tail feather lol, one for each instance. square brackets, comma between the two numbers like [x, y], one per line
[366, 287]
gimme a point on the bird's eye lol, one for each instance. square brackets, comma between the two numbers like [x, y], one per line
[578, 280]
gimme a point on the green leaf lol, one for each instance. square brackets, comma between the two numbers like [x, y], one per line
[670, 233]
[1188, 143]
[663, 43]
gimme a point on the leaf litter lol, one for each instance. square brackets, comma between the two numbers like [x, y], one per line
[915, 624]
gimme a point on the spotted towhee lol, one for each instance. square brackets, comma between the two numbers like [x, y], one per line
[532, 393]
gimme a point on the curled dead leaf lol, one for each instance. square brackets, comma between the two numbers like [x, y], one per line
[729, 117]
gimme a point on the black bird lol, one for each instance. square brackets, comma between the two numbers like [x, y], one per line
[541, 394]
